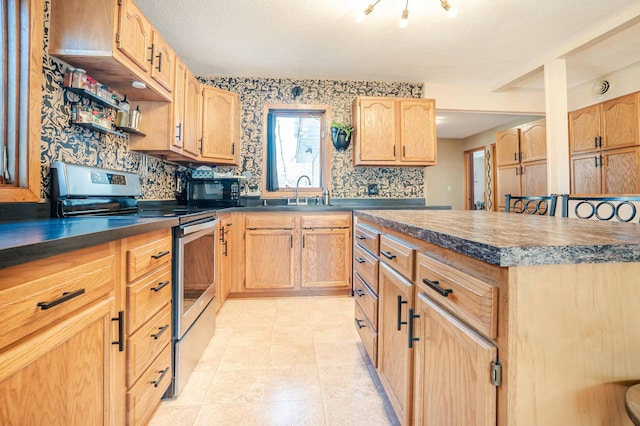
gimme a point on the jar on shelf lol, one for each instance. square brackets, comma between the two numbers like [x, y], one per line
[79, 78]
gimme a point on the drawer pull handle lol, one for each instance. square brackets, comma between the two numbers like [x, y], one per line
[160, 286]
[120, 341]
[361, 237]
[360, 260]
[359, 292]
[65, 296]
[412, 339]
[161, 254]
[444, 292]
[388, 254]
[156, 382]
[400, 303]
[358, 321]
[161, 330]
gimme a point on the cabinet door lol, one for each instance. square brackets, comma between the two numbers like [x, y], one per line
[534, 178]
[218, 122]
[417, 131]
[621, 171]
[270, 259]
[375, 132]
[620, 122]
[394, 356]
[507, 182]
[179, 92]
[508, 147]
[193, 93]
[586, 175]
[224, 263]
[62, 375]
[584, 129]
[533, 141]
[452, 382]
[326, 257]
[134, 36]
[162, 61]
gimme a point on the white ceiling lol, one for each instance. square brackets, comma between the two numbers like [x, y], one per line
[485, 45]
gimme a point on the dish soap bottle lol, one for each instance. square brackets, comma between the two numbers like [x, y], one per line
[325, 197]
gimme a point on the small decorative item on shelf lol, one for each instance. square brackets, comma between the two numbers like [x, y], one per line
[341, 135]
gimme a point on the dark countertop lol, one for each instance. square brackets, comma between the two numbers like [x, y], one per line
[25, 241]
[27, 233]
[508, 239]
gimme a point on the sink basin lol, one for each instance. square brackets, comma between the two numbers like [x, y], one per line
[297, 207]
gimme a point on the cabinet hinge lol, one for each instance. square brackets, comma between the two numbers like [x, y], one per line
[496, 373]
[117, 37]
[119, 2]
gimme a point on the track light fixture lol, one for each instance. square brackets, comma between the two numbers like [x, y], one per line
[452, 12]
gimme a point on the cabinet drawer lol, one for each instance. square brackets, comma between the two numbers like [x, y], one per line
[367, 300]
[146, 343]
[366, 265]
[147, 252]
[144, 396]
[398, 254]
[147, 296]
[469, 298]
[36, 294]
[270, 221]
[367, 334]
[327, 220]
[368, 238]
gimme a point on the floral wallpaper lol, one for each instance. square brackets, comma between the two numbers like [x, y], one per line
[347, 181]
[63, 141]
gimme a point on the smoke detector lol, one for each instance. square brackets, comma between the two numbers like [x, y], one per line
[601, 87]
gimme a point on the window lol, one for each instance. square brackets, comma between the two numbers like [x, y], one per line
[20, 84]
[295, 146]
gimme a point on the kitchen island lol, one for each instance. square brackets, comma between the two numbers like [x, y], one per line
[511, 319]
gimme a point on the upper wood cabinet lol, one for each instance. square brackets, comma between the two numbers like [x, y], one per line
[610, 124]
[603, 141]
[508, 147]
[394, 132]
[114, 42]
[191, 120]
[220, 126]
[522, 144]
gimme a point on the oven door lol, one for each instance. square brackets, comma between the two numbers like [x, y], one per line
[195, 272]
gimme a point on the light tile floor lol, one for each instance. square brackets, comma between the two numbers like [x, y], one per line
[281, 361]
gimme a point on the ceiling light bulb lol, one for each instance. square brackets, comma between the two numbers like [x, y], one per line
[404, 21]
[452, 12]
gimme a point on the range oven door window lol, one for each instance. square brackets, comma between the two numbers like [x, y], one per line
[196, 273]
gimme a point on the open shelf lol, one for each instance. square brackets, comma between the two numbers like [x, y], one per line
[101, 129]
[131, 130]
[95, 98]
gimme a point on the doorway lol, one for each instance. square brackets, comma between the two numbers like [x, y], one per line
[475, 187]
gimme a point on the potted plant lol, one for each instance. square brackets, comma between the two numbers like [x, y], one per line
[341, 135]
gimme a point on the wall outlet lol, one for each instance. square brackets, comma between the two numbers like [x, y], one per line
[372, 189]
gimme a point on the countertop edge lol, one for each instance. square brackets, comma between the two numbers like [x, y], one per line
[12, 256]
[511, 256]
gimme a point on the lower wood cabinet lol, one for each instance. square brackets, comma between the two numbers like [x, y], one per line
[57, 361]
[225, 259]
[614, 171]
[450, 379]
[395, 358]
[297, 253]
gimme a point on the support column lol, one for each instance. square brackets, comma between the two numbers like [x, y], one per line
[555, 88]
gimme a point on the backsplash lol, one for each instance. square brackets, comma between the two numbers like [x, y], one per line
[346, 181]
[63, 141]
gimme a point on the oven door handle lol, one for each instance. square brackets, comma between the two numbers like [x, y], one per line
[192, 227]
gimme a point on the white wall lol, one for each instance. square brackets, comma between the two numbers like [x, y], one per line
[626, 80]
[444, 183]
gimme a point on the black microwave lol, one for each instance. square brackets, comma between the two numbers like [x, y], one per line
[217, 192]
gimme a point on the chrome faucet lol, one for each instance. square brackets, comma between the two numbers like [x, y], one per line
[298, 187]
